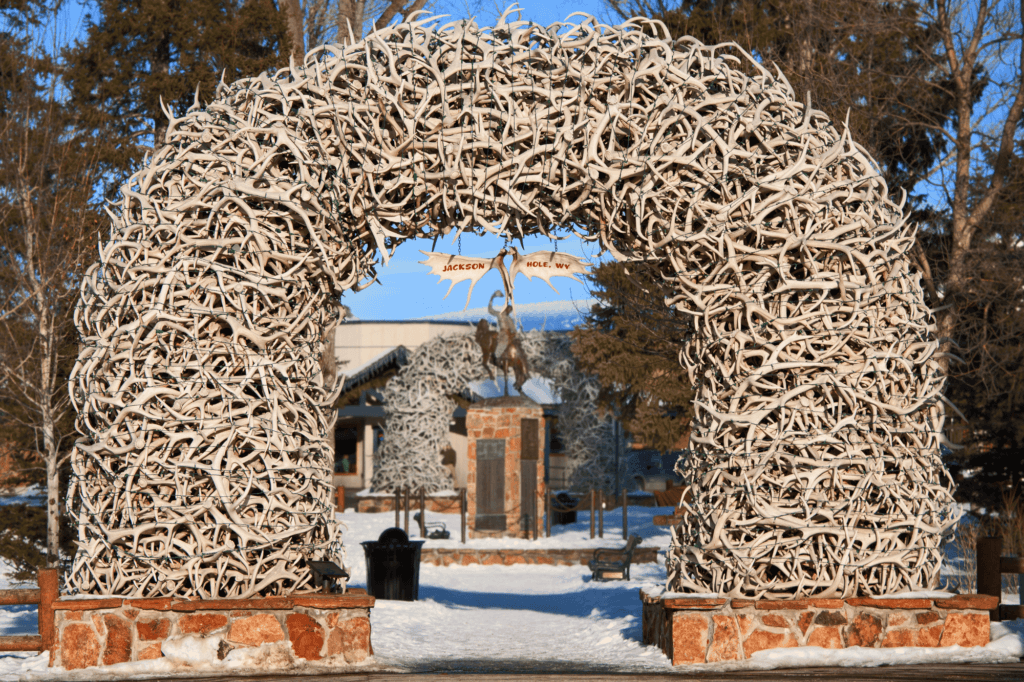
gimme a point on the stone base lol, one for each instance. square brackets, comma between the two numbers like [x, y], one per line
[703, 630]
[104, 631]
[439, 505]
[505, 534]
[510, 557]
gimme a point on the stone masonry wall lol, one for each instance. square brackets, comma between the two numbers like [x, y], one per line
[702, 630]
[439, 505]
[509, 557]
[105, 631]
[502, 418]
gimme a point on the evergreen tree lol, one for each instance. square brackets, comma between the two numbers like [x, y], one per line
[865, 64]
[631, 341]
[137, 54]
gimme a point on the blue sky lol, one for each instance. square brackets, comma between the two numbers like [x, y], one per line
[407, 290]
[486, 11]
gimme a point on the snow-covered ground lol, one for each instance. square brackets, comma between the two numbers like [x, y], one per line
[360, 527]
[525, 618]
[29, 494]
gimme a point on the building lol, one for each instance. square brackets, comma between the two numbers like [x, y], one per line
[369, 353]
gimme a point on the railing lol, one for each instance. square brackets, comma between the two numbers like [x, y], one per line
[403, 501]
[45, 596]
[991, 567]
[597, 506]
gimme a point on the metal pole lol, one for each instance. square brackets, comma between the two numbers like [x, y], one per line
[615, 433]
[462, 515]
[547, 510]
[536, 525]
[990, 577]
[593, 504]
[407, 504]
[423, 513]
[625, 515]
[398, 505]
[600, 513]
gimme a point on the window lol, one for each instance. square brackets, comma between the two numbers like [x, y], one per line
[345, 447]
[555, 443]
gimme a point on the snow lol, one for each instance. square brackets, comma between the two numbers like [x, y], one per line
[659, 591]
[18, 620]
[920, 594]
[192, 649]
[359, 527]
[540, 390]
[547, 315]
[30, 494]
[511, 619]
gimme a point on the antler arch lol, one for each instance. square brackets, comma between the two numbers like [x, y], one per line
[818, 412]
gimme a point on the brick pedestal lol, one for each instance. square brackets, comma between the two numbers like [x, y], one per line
[702, 630]
[104, 631]
[499, 423]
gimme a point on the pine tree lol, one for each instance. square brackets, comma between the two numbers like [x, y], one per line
[137, 54]
[865, 64]
[631, 341]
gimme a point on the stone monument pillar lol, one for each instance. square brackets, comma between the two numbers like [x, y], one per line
[505, 482]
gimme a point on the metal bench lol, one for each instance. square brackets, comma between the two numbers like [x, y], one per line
[434, 531]
[610, 563]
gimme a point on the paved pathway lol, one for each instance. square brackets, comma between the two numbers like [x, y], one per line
[541, 620]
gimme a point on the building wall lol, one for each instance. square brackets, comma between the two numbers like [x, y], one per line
[359, 341]
[461, 445]
[502, 419]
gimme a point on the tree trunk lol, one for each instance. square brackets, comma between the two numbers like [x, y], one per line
[47, 388]
[354, 12]
[161, 65]
[52, 513]
[296, 30]
[395, 8]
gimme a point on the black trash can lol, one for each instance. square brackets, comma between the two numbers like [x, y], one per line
[559, 505]
[393, 566]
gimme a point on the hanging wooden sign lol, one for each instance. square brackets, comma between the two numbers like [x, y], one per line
[542, 264]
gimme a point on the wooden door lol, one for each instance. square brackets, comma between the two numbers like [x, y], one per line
[490, 484]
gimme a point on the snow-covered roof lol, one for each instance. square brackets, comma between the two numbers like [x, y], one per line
[396, 356]
[547, 315]
[537, 389]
